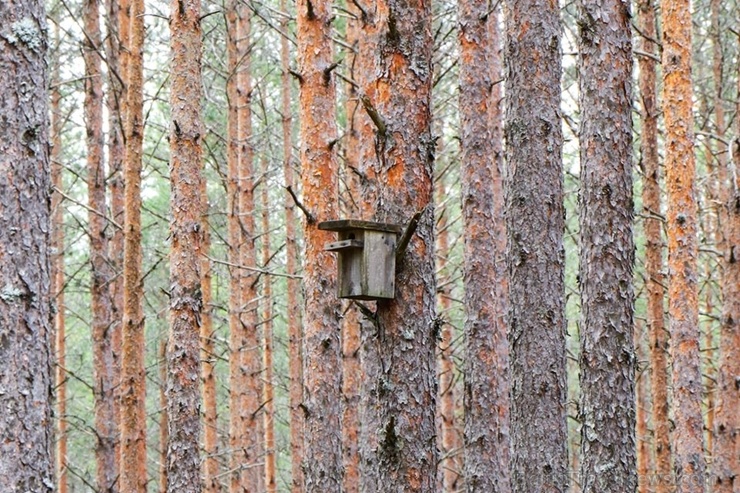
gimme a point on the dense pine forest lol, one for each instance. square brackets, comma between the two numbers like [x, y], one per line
[369, 246]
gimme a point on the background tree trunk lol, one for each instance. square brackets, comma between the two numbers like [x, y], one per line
[689, 463]
[487, 352]
[210, 465]
[649, 162]
[322, 462]
[101, 275]
[725, 468]
[186, 233]
[25, 317]
[133, 373]
[535, 223]
[295, 329]
[607, 358]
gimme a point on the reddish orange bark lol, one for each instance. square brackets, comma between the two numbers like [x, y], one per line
[726, 467]
[57, 279]
[133, 376]
[268, 394]
[322, 461]
[642, 430]
[658, 335]
[687, 438]
[164, 434]
[210, 466]
[295, 329]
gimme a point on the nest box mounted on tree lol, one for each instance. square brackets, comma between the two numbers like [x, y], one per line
[367, 258]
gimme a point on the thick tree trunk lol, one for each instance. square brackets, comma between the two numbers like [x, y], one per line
[607, 358]
[295, 329]
[349, 207]
[101, 275]
[653, 227]
[210, 465]
[322, 350]
[133, 373]
[485, 279]
[26, 425]
[535, 223]
[726, 470]
[689, 463]
[186, 232]
[399, 352]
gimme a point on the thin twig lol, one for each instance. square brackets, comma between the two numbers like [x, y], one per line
[253, 269]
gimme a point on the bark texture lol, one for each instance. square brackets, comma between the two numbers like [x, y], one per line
[689, 464]
[101, 275]
[322, 350]
[535, 261]
[210, 464]
[268, 394]
[295, 329]
[398, 447]
[133, 374]
[726, 453]
[485, 279]
[607, 358]
[651, 203]
[57, 279]
[26, 425]
[186, 233]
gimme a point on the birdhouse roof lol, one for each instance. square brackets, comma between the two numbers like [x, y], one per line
[354, 224]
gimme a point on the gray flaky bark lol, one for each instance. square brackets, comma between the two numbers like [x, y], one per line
[322, 349]
[486, 361]
[26, 425]
[535, 223]
[186, 231]
[398, 446]
[681, 218]
[607, 359]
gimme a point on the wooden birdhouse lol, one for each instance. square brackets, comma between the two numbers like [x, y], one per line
[366, 258]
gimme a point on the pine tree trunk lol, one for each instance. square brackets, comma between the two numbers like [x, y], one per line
[133, 374]
[116, 150]
[725, 468]
[449, 442]
[237, 377]
[607, 357]
[26, 424]
[642, 428]
[210, 466]
[295, 329]
[57, 278]
[98, 229]
[186, 233]
[399, 353]
[658, 335]
[322, 350]
[268, 396]
[485, 278]
[688, 450]
[164, 431]
[535, 223]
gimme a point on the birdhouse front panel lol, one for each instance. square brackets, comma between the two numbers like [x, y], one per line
[366, 258]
